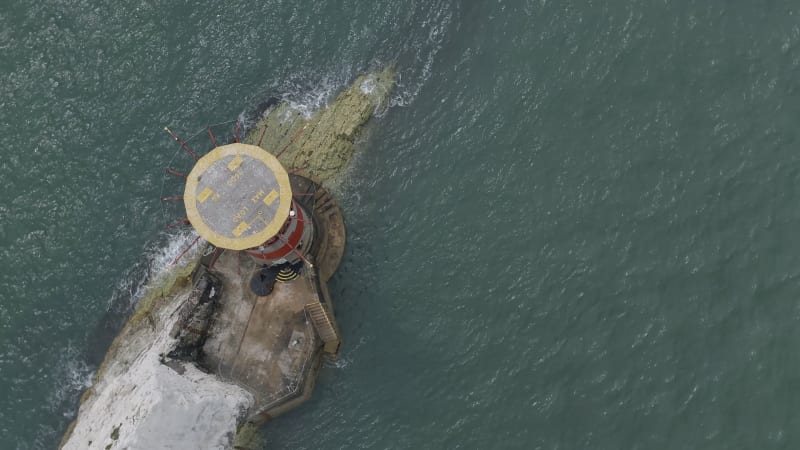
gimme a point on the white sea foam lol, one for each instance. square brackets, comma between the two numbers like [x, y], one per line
[163, 259]
[245, 122]
[368, 86]
[307, 101]
[159, 260]
[307, 92]
[75, 376]
[410, 80]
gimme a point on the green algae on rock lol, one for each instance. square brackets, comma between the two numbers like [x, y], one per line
[321, 146]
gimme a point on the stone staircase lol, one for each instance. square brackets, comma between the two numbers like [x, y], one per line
[323, 202]
[322, 323]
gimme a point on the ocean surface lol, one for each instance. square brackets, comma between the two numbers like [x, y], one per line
[577, 226]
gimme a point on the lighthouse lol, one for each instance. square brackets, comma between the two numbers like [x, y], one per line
[233, 355]
[238, 197]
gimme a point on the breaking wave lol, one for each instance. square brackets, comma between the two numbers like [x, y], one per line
[308, 91]
[159, 259]
[75, 375]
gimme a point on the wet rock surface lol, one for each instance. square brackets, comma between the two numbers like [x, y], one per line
[321, 145]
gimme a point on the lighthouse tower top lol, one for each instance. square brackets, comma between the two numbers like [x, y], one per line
[237, 196]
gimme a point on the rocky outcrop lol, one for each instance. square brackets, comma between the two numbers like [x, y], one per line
[194, 318]
[140, 400]
[149, 392]
[321, 146]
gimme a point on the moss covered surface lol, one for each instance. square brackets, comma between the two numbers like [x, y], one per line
[321, 146]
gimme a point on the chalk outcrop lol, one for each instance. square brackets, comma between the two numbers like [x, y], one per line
[137, 401]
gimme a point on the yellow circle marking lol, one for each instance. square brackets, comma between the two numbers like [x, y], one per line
[191, 197]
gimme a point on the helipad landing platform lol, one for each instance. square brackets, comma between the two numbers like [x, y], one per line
[237, 196]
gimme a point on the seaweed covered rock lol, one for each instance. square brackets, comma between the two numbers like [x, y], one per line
[321, 146]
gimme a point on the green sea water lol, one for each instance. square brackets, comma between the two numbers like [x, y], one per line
[574, 227]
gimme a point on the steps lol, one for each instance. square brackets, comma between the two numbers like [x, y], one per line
[325, 329]
[323, 202]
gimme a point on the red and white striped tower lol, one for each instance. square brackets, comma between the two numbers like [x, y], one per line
[295, 236]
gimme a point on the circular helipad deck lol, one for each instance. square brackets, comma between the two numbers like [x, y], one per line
[237, 196]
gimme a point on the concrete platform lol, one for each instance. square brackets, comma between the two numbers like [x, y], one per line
[266, 345]
[273, 345]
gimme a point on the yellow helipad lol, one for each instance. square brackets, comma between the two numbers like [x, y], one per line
[237, 196]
